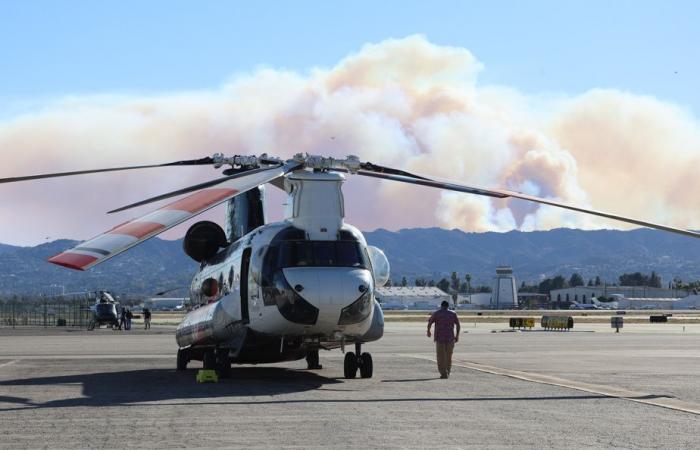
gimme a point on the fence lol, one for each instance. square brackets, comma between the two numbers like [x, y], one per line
[45, 312]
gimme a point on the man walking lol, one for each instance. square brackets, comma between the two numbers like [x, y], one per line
[445, 337]
[147, 318]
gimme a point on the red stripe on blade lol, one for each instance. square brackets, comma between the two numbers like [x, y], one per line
[200, 200]
[72, 260]
[137, 229]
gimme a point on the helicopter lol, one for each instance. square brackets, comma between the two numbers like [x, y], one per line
[281, 291]
[104, 311]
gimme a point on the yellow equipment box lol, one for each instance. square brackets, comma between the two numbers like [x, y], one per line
[207, 376]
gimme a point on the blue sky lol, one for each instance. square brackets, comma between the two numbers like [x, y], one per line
[51, 49]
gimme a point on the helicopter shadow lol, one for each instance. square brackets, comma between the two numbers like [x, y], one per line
[164, 385]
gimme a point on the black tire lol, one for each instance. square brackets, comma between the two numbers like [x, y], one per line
[312, 360]
[182, 359]
[209, 360]
[350, 365]
[223, 363]
[366, 366]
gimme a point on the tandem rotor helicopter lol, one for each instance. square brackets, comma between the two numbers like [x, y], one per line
[281, 291]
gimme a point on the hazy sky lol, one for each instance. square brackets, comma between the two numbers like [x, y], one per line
[528, 77]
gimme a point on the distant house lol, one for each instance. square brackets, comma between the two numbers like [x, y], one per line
[410, 297]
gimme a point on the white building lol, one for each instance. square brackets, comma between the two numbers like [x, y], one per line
[410, 297]
[583, 294]
[505, 293]
[480, 299]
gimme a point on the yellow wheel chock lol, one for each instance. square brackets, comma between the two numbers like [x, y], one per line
[207, 376]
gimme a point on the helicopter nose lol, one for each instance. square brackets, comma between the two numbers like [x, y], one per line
[326, 286]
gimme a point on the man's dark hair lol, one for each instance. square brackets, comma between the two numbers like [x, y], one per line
[444, 304]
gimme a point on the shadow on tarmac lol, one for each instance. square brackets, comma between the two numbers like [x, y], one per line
[133, 388]
[155, 385]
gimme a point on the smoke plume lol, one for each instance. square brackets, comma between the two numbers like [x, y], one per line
[404, 103]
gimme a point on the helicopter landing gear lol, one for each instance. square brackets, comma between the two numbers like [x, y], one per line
[209, 360]
[183, 358]
[312, 360]
[91, 325]
[358, 360]
[223, 363]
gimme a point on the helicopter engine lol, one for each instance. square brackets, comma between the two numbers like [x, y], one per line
[203, 240]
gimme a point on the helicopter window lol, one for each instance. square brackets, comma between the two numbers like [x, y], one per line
[321, 254]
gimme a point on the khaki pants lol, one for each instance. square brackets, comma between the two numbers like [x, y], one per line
[444, 356]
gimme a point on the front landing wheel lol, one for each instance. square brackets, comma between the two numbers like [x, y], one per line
[366, 367]
[350, 365]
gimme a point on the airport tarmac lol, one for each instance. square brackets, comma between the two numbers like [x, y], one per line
[585, 388]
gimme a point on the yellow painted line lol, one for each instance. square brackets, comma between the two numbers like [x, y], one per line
[608, 391]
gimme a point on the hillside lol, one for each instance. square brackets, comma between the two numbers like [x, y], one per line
[427, 252]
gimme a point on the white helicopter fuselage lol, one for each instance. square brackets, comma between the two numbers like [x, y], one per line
[288, 287]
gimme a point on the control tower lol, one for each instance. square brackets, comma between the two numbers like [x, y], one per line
[505, 293]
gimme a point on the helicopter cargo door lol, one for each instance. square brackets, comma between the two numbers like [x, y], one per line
[245, 270]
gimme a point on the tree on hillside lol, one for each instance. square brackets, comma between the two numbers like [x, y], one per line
[597, 281]
[454, 282]
[550, 284]
[420, 282]
[444, 285]
[576, 280]
[633, 279]
[431, 283]
[482, 289]
[590, 282]
[654, 280]
[404, 282]
[640, 279]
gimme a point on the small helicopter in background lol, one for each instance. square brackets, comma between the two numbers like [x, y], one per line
[104, 311]
[281, 291]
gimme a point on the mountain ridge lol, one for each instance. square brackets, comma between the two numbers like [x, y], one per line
[160, 264]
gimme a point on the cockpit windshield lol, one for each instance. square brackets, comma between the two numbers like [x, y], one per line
[320, 254]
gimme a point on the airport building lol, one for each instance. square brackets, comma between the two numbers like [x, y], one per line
[165, 303]
[505, 292]
[410, 297]
[477, 300]
[583, 294]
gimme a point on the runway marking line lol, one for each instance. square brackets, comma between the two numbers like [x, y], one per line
[608, 391]
[9, 363]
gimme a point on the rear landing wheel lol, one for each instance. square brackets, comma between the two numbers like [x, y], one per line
[312, 360]
[350, 365]
[182, 359]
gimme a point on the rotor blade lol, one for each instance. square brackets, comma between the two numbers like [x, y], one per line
[129, 234]
[191, 162]
[502, 193]
[388, 170]
[189, 189]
